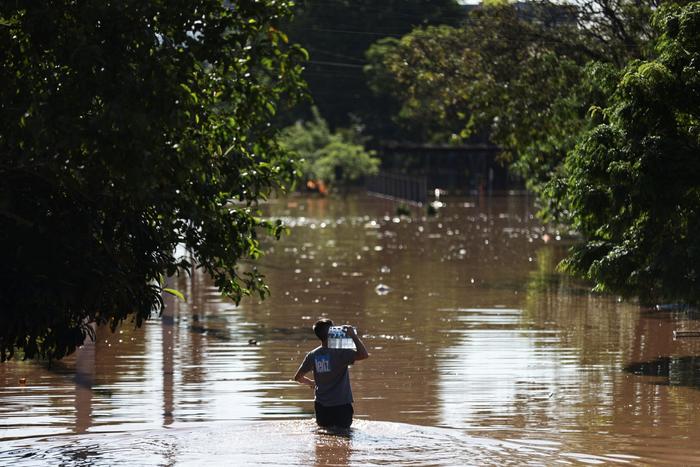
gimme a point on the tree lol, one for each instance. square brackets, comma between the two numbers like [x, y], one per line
[342, 163]
[631, 185]
[129, 128]
[427, 72]
[337, 33]
[337, 158]
[512, 71]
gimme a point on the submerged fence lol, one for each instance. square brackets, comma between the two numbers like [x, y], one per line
[404, 187]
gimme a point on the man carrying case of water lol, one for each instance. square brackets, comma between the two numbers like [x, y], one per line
[329, 363]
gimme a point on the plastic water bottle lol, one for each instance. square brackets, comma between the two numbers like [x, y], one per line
[338, 338]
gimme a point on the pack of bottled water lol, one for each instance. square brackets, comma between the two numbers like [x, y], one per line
[339, 339]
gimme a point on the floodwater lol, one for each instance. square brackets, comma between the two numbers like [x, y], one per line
[481, 354]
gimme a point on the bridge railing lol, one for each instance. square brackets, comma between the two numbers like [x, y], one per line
[410, 188]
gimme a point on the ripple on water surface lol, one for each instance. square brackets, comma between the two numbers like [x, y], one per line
[290, 443]
[476, 336]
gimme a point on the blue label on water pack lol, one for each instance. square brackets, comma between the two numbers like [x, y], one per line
[336, 332]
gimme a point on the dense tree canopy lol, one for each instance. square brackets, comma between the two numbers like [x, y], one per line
[513, 71]
[127, 129]
[428, 73]
[337, 33]
[632, 185]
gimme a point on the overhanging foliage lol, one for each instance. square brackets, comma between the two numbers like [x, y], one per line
[127, 129]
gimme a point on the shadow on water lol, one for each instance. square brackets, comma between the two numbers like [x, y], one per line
[671, 312]
[678, 371]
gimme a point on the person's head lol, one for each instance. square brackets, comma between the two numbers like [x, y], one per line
[320, 328]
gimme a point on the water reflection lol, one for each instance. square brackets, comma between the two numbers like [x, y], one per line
[478, 347]
[333, 448]
[84, 380]
[168, 350]
[675, 371]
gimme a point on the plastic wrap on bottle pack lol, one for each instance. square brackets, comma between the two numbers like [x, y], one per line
[339, 339]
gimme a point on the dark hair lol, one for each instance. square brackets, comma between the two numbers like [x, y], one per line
[320, 328]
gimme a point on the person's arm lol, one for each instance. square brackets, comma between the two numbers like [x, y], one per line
[361, 353]
[300, 377]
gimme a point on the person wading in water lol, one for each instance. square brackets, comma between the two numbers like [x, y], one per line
[331, 383]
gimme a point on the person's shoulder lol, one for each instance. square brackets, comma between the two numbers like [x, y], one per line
[346, 354]
[315, 351]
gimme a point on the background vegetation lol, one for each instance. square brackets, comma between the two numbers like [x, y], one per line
[594, 104]
[337, 158]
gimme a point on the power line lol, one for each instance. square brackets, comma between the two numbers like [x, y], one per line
[363, 33]
[335, 54]
[344, 65]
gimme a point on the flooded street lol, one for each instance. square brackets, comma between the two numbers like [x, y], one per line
[480, 354]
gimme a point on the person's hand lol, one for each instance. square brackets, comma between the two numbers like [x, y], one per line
[349, 330]
[311, 384]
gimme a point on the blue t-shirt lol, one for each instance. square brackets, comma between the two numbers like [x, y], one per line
[330, 367]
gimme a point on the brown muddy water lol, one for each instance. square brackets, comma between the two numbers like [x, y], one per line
[480, 355]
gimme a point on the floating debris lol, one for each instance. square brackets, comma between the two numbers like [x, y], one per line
[682, 334]
[382, 289]
[403, 210]
[671, 307]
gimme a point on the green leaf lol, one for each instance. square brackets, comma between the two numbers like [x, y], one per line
[177, 293]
